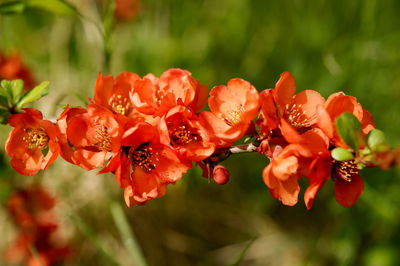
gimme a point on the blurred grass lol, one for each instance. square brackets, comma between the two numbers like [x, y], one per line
[328, 46]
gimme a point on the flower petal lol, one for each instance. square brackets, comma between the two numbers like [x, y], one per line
[347, 193]
[284, 90]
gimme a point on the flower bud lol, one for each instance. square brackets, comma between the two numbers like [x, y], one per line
[220, 175]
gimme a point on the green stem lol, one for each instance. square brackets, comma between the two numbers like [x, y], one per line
[127, 235]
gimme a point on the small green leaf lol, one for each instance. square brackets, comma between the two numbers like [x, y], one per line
[6, 88]
[341, 154]
[376, 139]
[58, 7]
[16, 88]
[34, 94]
[350, 130]
[12, 7]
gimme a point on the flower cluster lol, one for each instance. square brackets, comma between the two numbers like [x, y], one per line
[148, 131]
[36, 244]
[299, 134]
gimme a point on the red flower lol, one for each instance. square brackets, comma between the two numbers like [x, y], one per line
[89, 138]
[339, 103]
[291, 163]
[115, 94]
[181, 129]
[154, 96]
[348, 184]
[145, 166]
[233, 108]
[12, 68]
[32, 143]
[302, 110]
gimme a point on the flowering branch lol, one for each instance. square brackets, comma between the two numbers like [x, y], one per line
[148, 131]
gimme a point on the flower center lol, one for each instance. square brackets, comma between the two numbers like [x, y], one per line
[235, 116]
[297, 117]
[159, 96]
[183, 135]
[36, 139]
[103, 138]
[144, 157]
[345, 169]
[120, 105]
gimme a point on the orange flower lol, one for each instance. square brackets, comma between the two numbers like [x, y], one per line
[181, 129]
[320, 167]
[154, 96]
[145, 166]
[339, 103]
[233, 107]
[12, 68]
[32, 143]
[89, 138]
[302, 110]
[115, 94]
[291, 163]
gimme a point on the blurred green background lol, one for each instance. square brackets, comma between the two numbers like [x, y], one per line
[328, 46]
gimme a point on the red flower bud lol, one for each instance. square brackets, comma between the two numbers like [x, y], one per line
[220, 175]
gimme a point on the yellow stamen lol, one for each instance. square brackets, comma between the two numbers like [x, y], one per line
[144, 157]
[297, 117]
[235, 116]
[120, 105]
[36, 139]
[183, 135]
[345, 169]
[103, 138]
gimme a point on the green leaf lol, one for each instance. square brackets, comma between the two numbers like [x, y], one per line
[376, 140]
[341, 154]
[16, 89]
[6, 88]
[34, 94]
[12, 7]
[4, 114]
[57, 7]
[350, 130]
[3, 102]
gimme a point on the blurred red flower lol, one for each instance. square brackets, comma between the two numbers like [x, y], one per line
[36, 243]
[12, 67]
[126, 9]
